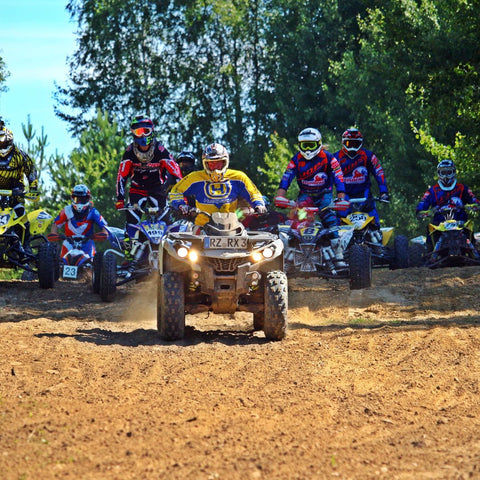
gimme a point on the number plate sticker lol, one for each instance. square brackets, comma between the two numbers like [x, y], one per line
[357, 219]
[4, 219]
[225, 242]
[70, 271]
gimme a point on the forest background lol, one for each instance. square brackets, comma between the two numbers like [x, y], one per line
[252, 73]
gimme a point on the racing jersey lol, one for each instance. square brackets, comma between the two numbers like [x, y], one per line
[357, 170]
[315, 176]
[459, 196]
[74, 226]
[13, 168]
[153, 177]
[215, 196]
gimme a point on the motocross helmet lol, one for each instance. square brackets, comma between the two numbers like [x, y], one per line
[215, 159]
[6, 140]
[81, 199]
[187, 162]
[447, 175]
[309, 142]
[352, 141]
[142, 130]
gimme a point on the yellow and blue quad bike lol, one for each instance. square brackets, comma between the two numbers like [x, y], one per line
[394, 254]
[37, 260]
[452, 240]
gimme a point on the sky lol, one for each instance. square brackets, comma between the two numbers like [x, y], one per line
[36, 37]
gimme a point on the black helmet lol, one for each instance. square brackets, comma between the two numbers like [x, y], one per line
[187, 162]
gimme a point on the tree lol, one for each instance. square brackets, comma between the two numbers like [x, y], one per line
[94, 163]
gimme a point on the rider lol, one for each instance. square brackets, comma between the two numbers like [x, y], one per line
[187, 162]
[150, 167]
[447, 191]
[216, 188]
[15, 164]
[357, 165]
[316, 171]
[79, 218]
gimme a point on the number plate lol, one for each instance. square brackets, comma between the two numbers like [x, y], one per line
[357, 219]
[70, 271]
[225, 242]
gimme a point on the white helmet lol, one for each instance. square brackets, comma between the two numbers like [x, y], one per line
[309, 142]
[447, 175]
[215, 159]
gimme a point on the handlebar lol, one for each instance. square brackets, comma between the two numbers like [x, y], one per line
[18, 192]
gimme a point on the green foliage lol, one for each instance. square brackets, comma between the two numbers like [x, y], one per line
[95, 164]
[4, 74]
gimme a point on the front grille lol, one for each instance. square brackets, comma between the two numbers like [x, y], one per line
[225, 265]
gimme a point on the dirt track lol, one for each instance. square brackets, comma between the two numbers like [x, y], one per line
[374, 384]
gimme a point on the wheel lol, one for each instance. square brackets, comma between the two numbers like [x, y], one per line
[275, 306]
[416, 254]
[401, 251]
[258, 321]
[108, 277]
[46, 265]
[58, 250]
[360, 263]
[96, 271]
[171, 306]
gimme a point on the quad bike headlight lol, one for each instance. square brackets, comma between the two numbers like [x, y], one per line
[193, 256]
[260, 255]
[182, 252]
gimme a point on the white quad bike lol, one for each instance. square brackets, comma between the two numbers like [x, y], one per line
[223, 269]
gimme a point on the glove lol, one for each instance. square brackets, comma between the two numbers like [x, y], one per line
[260, 209]
[120, 204]
[421, 214]
[33, 195]
[282, 202]
[185, 209]
[385, 197]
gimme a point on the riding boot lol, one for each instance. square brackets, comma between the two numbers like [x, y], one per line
[339, 258]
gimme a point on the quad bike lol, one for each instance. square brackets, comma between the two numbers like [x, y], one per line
[452, 240]
[366, 232]
[39, 259]
[312, 250]
[113, 268]
[222, 268]
[75, 262]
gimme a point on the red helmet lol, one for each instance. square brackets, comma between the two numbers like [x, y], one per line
[352, 141]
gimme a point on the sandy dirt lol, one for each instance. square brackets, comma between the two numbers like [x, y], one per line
[375, 384]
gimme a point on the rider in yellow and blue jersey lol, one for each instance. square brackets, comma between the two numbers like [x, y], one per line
[216, 188]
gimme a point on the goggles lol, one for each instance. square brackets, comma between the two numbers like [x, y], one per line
[352, 143]
[81, 199]
[215, 164]
[142, 131]
[305, 146]
[447, 172]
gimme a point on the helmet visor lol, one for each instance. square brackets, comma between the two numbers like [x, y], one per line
[308, 146]
[142, 131]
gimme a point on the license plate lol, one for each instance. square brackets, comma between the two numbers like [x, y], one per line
[70, 271]
[225, 242]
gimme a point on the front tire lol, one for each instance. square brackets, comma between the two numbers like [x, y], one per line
[96, 271]
[275, 314]
[108, 278]
[360, 263]
[171, 306]
[46, 265]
